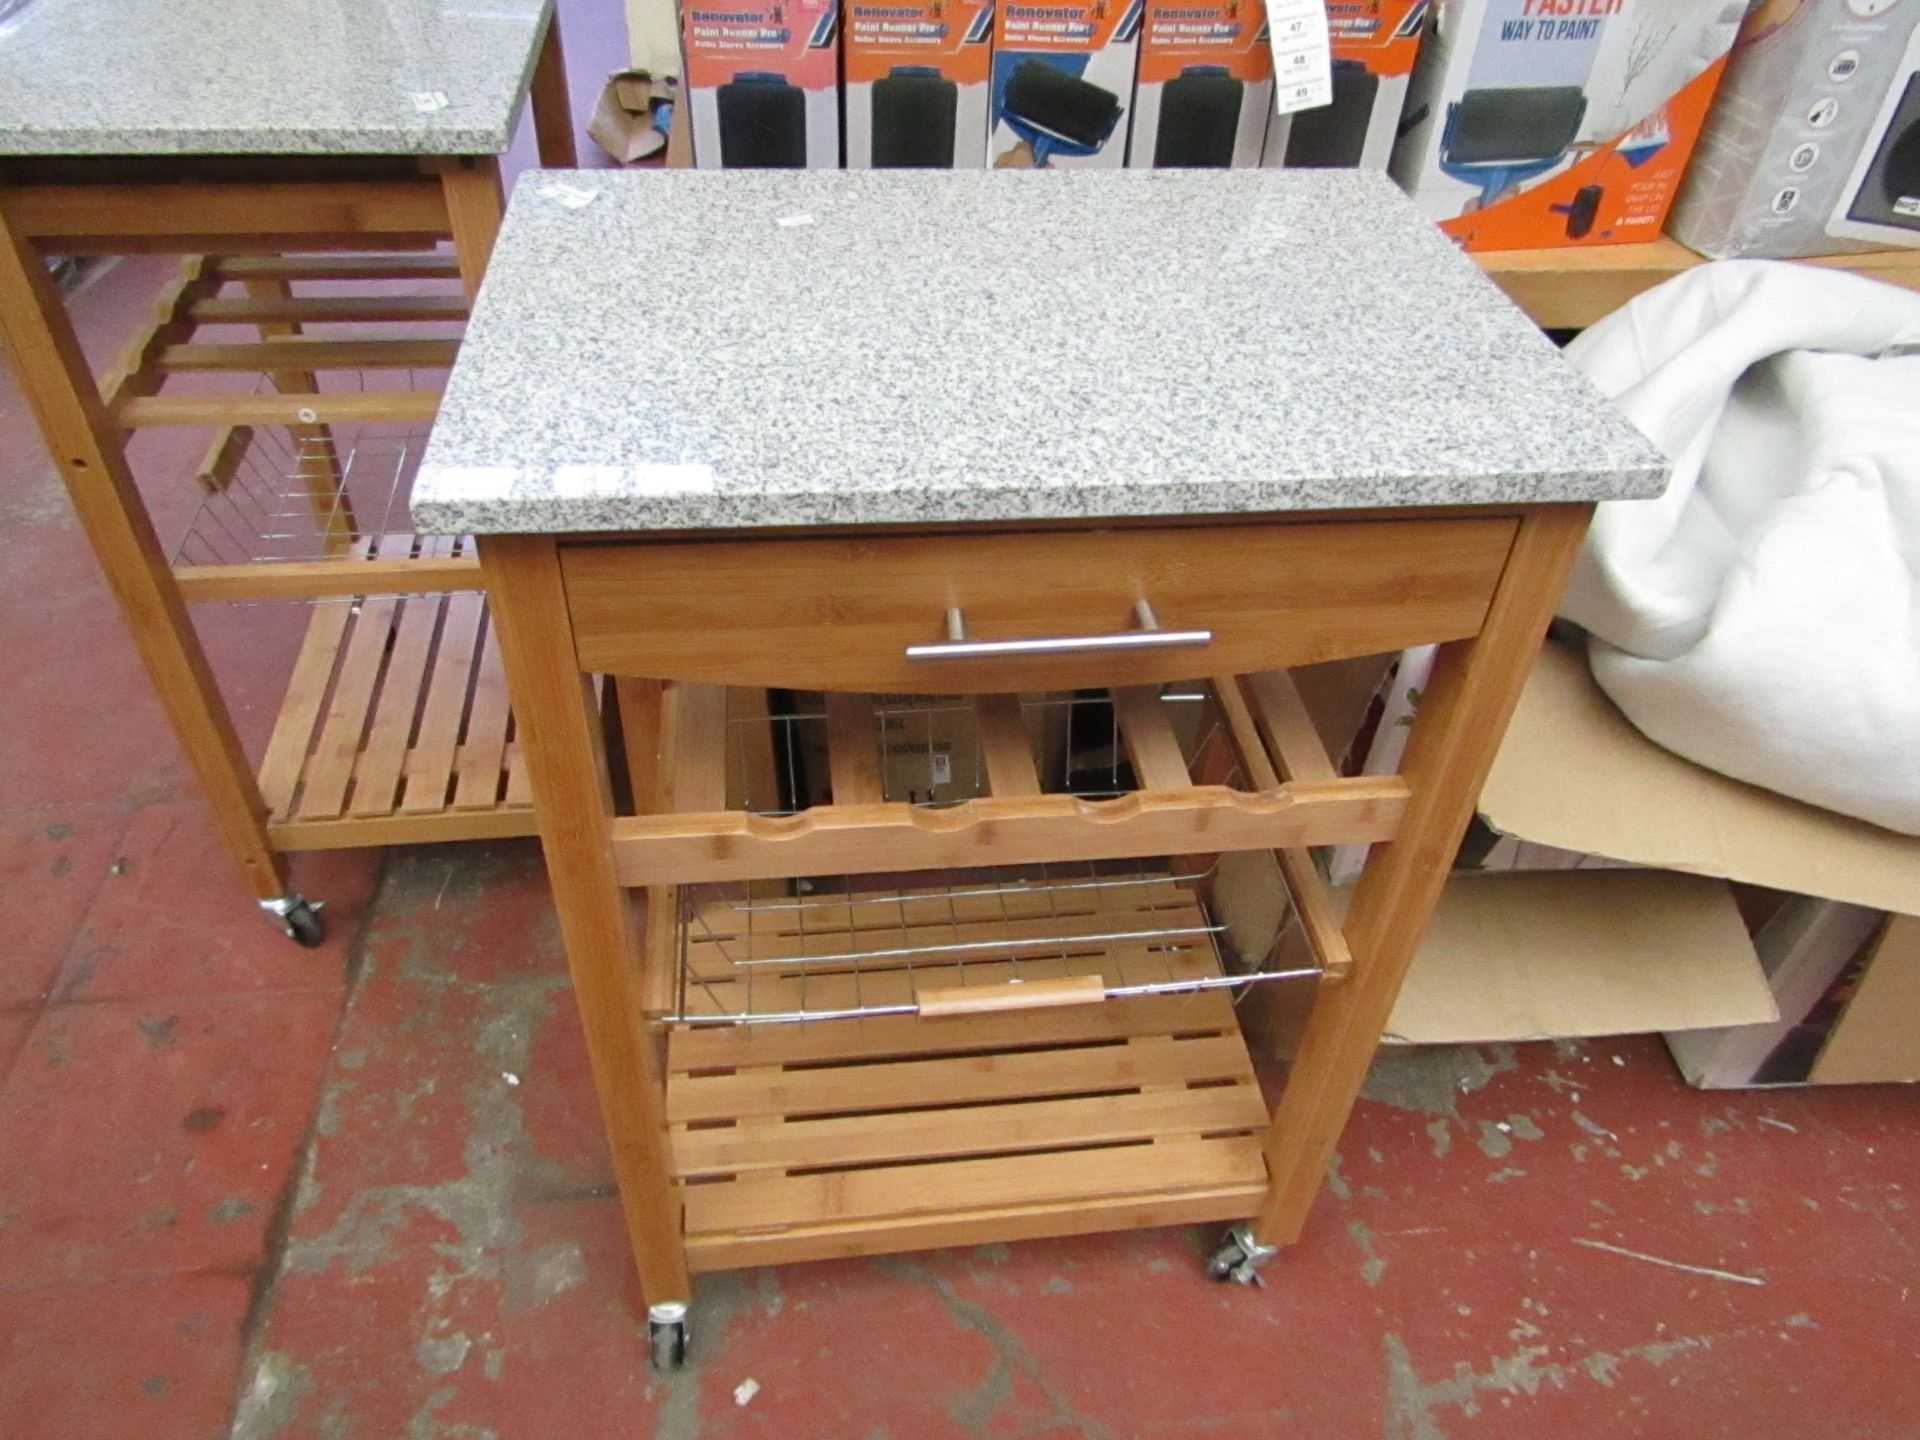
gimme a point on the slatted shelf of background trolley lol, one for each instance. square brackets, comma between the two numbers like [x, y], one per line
[899, 1059]
[395, 726]
[297, 322]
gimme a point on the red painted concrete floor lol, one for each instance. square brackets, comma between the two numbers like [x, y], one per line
[361, 1194]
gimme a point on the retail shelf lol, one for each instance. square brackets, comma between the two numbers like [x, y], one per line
[1573, 286]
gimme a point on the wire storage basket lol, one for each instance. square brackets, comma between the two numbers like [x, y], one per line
[950, 942]
[275, 494]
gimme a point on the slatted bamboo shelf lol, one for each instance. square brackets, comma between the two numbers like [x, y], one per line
[1095, 814]
[898, 1133]
[395, 729]
[304, 377]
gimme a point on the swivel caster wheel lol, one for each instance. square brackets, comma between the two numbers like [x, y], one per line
[300, 918]
[667, 1336]
[1239, 1257]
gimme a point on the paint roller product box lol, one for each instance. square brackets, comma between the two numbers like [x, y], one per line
[1374, 44]
[1062, 82]
[1535, 123]
[917, 73]
[763, 83]
[1801, 148]
[1205, 86]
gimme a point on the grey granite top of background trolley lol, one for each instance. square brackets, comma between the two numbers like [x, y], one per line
[733, 349]
[265, 77]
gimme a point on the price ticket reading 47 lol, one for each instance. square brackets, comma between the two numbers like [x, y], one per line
[1302, 69]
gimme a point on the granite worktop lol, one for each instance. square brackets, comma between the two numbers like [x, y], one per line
[265, 77]
[762, 348]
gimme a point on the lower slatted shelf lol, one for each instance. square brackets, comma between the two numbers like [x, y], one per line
[897, 1132]
[396, 729]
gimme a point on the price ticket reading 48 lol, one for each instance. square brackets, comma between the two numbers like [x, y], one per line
[1302, 67]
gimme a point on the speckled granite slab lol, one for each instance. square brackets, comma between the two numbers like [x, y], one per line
[266, 77]
[721, 349]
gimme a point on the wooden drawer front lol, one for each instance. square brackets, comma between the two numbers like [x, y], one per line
[839, 614]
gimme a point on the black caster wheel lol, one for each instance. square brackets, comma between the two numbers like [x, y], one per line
[299, 917]
[1239, 1257]
[1226, 1258]
[305, 926]
[668, 1342]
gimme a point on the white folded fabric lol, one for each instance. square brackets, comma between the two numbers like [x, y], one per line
[1763, 617]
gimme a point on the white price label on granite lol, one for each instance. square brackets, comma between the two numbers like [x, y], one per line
[574, 197]
[1302, 61]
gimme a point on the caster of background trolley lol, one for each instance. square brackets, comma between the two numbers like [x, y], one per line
[299, 917]
[1239, 1257]
[667, 1335]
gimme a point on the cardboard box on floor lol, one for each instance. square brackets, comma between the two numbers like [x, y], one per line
[1654, 938]
[1851, 890]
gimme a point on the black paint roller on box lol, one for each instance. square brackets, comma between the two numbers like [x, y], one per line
[1058, 113]
[913, 119]
[1514, 125]
[1334, 136]
[1199, 119]
[763, 122]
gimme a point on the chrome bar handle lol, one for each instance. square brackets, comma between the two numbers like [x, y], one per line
[1148, 637]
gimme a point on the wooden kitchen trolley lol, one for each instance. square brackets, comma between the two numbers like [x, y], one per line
[895, 919]
[307, 165]
[874, 1024]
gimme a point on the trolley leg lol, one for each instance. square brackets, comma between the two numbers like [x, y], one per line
[471, 188]
[645, 730]
[1463, 713]
[552, 705]
[552, 107]
[88, 451]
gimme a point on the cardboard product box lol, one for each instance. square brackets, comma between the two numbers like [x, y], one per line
[624, 120]
[763, 83]
[1205, 86]
[1375, 43]
[1774, 942]
[1800, 152]
[929, 749]
[1846, 978]
[1536, 123]
[917, 74]
[1062, 82]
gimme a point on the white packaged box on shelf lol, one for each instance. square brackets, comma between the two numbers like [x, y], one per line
[1536, 123]
[1374, 44]
[1812, 146]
